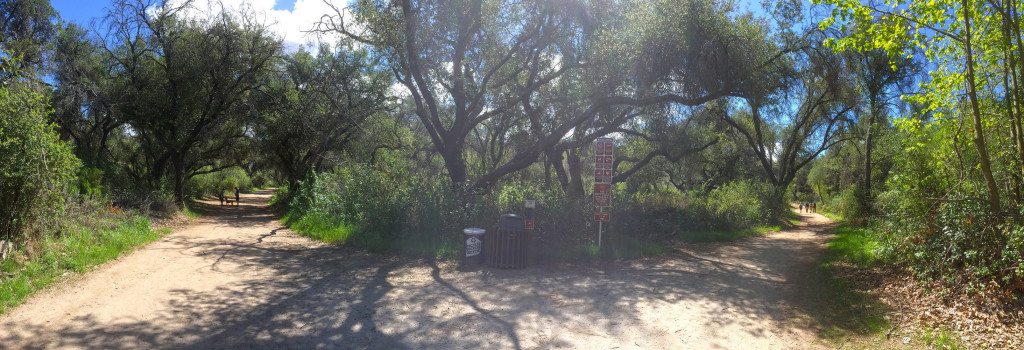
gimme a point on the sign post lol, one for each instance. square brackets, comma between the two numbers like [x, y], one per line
[603, 172]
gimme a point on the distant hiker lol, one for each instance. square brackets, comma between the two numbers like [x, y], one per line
[236, 195]
[814, 207]
[220, 195]
[801, 205]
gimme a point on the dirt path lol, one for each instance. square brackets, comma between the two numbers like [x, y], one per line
[238, 279]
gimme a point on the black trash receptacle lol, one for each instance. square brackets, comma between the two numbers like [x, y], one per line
[473, 244]
[507, 248]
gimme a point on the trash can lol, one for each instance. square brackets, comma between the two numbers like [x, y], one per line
[507, 248]
[473, 239]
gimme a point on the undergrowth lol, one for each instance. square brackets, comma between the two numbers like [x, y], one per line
[78, 250]
[391, 208]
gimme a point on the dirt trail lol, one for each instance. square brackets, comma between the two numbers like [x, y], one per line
[238, 279]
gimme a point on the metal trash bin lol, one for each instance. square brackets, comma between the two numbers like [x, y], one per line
[473, 244]
[507, 248]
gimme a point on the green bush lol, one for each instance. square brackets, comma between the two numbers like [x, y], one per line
[845, 204]
[90, 181]
[263, 179]
[389, 207]
[740, 204]
[35, 166]
[939, 225]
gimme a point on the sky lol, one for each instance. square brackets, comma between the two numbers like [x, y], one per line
[287, 18]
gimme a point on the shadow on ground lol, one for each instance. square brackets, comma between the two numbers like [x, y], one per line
[717, 295]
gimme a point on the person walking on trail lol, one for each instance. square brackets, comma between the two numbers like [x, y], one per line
[236, 195]
[801, 206]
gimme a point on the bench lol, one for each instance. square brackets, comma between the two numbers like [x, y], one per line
[227, 199]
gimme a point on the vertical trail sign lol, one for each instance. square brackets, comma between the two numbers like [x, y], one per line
[603, 172]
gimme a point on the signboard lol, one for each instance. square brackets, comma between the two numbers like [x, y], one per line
[604, 169]
[529, 224]
[603, 160]
[602, 195]
[531, 203]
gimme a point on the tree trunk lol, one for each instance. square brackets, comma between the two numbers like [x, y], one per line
[575, 190]
[869, 140]
[556, 160]
[1011, 110]
[455, 165]
[979, 135]
[1013, 22]
[178, 161]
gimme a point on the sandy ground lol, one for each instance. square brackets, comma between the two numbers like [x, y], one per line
[238, 279]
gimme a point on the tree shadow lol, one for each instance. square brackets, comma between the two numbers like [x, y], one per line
[716, 295]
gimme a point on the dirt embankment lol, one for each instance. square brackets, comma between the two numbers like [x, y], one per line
[238, 279]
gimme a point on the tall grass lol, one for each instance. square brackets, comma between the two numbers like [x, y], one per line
[79, 250]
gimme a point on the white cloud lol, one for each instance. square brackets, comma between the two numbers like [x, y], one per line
[291, 26]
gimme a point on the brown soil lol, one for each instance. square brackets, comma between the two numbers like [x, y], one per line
[238, 279]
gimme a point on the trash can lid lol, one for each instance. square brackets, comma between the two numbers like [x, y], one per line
[474, 231]
[511, 222]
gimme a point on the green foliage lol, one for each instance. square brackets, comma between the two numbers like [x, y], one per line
[845, 204]
[191, 93]
[854, 245]
[359, 205]
[389, 208]
[942, 228]
[219, 182]
[90, 181]
[35, 166]
[263, 179]
[724, 213]
[741, 204]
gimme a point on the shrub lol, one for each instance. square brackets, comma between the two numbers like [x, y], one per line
[90, 181]
[845, 204]
[388, 207]
[740, 204]
[939, 226]
[35, 166]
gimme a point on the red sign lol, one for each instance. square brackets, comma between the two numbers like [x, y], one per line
[603, 161]
[603, 216]
[529, 224]
[602, 195]
[604, 146]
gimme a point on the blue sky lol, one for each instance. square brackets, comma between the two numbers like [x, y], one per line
[81, 12]
[287, 18]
